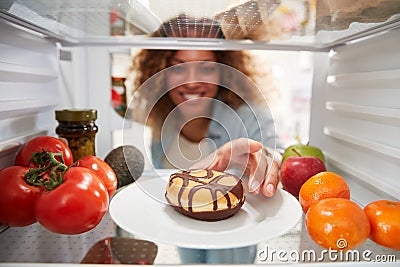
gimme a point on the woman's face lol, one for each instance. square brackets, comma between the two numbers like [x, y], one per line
[193, 84]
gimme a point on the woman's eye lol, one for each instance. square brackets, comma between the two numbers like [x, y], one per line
[177, 69]
[208, 69]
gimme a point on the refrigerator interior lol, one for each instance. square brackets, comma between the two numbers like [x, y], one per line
[58, 54]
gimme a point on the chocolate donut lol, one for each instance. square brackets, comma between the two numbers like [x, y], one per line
[205, 194]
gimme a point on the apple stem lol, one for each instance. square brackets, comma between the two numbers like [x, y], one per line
[297, 152]
[308, 143]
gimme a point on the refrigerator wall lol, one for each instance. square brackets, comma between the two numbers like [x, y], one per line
[355, 114]
[29, 88]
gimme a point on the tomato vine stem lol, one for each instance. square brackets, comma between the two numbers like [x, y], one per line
[50, 171]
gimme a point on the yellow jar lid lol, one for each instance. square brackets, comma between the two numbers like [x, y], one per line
[76, 115]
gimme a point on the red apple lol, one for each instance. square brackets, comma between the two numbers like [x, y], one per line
[295, 170]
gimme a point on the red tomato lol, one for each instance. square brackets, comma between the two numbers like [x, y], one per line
[47, 143]
[75, 206]
[17, 197]
[102, 169]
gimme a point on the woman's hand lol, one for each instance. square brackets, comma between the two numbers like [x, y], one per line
[249, 157]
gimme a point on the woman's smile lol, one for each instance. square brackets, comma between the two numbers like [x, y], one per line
[191, 96]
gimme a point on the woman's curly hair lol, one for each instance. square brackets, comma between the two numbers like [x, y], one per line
[149, 62]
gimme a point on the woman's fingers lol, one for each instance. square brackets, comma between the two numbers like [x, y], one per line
[231, 154]
[248, 156]
[264, 174]
[272, 179]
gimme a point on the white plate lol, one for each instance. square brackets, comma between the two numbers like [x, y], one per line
[141, 210]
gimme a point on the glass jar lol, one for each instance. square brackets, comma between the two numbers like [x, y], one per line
[79, 129]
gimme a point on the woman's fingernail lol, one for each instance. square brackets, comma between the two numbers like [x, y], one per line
[270, 189]
[254, 185]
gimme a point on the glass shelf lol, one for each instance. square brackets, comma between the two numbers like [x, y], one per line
[32, 245]
[257, 24]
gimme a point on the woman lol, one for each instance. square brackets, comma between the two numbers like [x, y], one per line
[199, 103]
